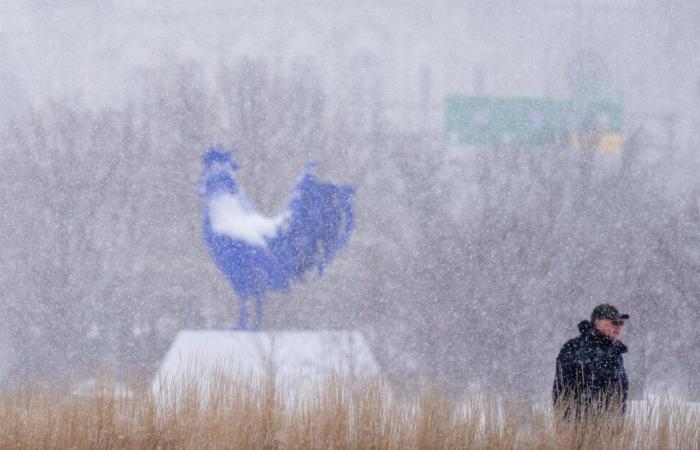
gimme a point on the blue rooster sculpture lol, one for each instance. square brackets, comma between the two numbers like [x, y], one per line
[258, 253]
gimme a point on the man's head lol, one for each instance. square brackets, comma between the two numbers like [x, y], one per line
[608, 320]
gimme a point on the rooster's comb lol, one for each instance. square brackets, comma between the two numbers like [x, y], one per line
[217, 154]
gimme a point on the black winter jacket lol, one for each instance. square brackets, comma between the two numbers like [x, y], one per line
[590, 368]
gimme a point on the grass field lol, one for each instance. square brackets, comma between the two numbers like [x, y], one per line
[243, 415]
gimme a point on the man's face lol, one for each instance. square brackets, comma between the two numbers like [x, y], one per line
[610, 328]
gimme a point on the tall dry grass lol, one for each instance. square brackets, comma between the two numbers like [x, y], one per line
[332, 415]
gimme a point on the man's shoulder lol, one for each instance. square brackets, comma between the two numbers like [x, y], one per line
[573, 342]
[573, 345]
[568, 346]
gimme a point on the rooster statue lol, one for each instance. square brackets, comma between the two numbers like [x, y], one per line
[258, 253]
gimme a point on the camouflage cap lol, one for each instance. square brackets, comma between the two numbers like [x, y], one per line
[606, 311]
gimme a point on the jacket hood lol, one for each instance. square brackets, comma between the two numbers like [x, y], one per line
[585, 326]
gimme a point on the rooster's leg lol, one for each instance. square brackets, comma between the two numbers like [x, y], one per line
[257, 325]
[242, 314]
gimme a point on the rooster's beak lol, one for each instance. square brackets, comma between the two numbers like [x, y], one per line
[201, 189]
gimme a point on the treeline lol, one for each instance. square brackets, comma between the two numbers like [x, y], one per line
[466, 265]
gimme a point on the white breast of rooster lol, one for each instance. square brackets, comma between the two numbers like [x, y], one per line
[232, 215]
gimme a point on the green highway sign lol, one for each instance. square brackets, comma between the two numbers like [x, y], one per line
[522, 120]
[600, 117]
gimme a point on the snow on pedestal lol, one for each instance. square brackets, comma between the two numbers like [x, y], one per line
[298, 359]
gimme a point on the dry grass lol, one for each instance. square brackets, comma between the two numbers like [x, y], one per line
[242, 415]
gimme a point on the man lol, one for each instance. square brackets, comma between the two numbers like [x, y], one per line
[590, 370]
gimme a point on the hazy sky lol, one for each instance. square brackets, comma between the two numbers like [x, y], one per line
[644, 53]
